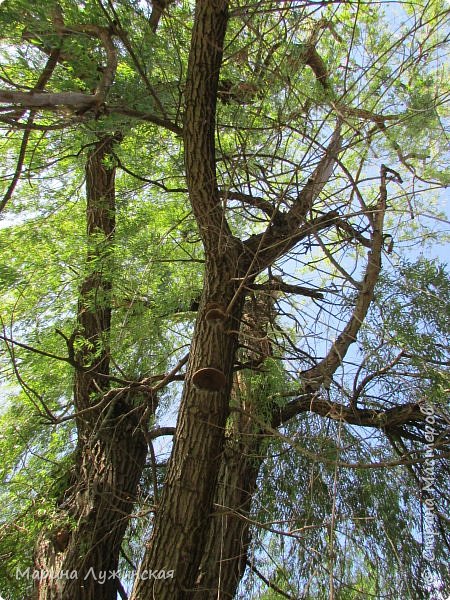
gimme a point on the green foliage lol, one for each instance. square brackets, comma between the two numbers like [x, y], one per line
[414, 313]
[373, 542]
[274, 119]
[35, 458]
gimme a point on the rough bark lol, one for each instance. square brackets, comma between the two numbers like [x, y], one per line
[225, 555]
[80, 551]
[229, 536]
[182, 531]
[180, 527]
[322, 372]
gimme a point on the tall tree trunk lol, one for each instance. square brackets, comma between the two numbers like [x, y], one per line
[225, 553]
[80, 552]
[181, 521]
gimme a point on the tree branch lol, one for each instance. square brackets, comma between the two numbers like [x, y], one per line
[39, 126]
[322, 373]
[280, 286]
[393, 418]
[36, 350]
[359, 388]
[143, 116]
[397, 416]
[263, 205]
[104, 35]
[123, 35]
[158, 8]
[283, 231]
[42, 81]
[160, 432]
[75, 100]
[269, 584]
[205, 60]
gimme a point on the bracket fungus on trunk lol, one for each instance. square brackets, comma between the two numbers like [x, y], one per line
[210, 379]
[216, 313]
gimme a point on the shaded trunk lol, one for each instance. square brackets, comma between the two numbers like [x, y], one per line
[229, 537]
[79, 553]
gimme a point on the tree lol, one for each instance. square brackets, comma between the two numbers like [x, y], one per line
[208, 212]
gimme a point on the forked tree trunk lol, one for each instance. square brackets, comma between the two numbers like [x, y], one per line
[181, 521]
[78, 554]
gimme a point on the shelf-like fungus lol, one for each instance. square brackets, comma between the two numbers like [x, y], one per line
[216, 313]
[209, 378]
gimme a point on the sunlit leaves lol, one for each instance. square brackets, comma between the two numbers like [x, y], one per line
[290, 72]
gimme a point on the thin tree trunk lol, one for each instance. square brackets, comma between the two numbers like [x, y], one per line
[80, 551]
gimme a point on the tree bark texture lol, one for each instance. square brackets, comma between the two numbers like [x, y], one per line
[229, 536]
[181, 522]
[80, 551]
